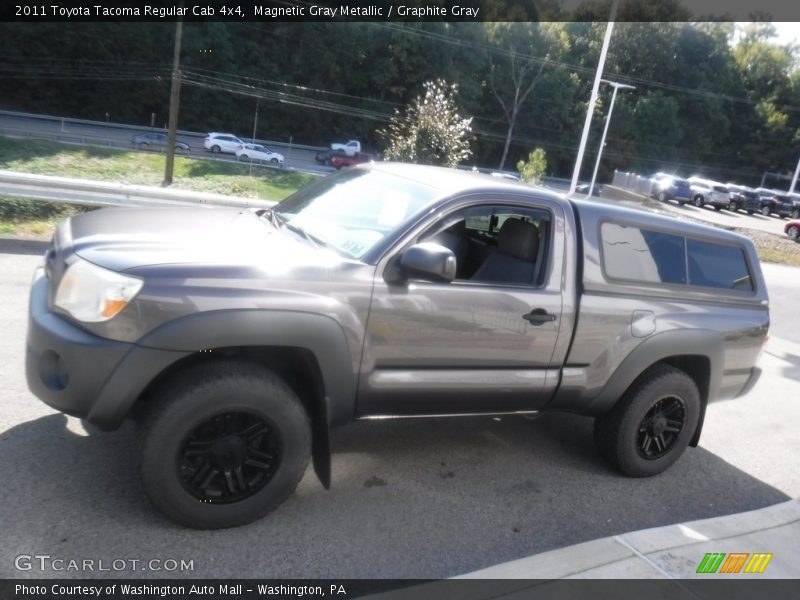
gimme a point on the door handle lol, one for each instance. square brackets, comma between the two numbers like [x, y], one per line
[538, 316]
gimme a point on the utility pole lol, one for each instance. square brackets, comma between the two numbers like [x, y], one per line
[593, 98]
[616, 87]
[174, 99]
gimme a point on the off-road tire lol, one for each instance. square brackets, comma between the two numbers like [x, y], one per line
[195, 397]
[616, 433]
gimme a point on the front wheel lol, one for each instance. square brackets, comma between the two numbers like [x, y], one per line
[795, 213]
[733, 206]
[651, 425]
[793, 232]
[243, 157]
[698, 201]
[225, 443]
[215, 149]
[765, 211]
[274, 161]
[662, 197]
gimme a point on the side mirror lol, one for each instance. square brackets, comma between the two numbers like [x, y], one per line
[427, 260]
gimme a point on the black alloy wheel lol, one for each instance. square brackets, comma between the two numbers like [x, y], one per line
[229, 457]
[661, 427]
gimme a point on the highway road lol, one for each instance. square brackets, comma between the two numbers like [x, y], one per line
[118, 135]
[410, 499]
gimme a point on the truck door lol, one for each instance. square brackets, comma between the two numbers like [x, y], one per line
[483, 343]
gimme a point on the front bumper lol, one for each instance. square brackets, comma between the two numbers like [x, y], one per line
[81, 374]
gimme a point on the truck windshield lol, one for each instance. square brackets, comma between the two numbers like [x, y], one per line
[354, 210]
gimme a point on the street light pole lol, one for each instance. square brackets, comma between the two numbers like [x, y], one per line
[794, 179]
[616, 87]
[593, 98]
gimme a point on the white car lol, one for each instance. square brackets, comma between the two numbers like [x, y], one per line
[222, 142]
[350, 148]
[259, 153]
[713, 193]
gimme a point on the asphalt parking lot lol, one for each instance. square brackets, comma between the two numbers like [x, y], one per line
[410, 499]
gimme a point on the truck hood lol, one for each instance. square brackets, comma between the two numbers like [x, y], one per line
[125, 239]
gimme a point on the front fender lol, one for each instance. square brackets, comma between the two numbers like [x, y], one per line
[319, 334]
[162, 347]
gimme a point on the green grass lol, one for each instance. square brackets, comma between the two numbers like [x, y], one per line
[145, 168]
[20, 216]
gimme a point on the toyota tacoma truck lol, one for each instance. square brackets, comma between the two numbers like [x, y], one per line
[238, 338]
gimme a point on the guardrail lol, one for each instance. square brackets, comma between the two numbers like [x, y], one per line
[97, 193]
[633, 182]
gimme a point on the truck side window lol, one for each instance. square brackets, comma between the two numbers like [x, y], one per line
[641, 255]
[718, 266]
[496, 244]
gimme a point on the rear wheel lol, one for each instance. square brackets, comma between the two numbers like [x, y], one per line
[226, 443]
[244, 157]
[765, 211]
[749, 212]
[717, 208]
[733, 206]
[215, 149]
[793, 232]
[652, 423]
[662, 196]
[274, 161]
[698, 201]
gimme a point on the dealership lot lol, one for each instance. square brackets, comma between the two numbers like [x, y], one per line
[409, 498]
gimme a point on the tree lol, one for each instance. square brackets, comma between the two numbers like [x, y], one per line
[431, 131]
[531, 171]
[526, 49]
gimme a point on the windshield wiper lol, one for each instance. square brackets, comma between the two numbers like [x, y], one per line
[274, 218]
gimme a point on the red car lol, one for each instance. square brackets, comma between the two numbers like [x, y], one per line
[792, 229]
[342, 160]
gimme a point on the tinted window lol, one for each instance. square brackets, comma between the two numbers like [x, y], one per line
[713, 265]
[641, 255]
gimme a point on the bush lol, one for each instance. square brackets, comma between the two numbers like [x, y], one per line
[20, 209]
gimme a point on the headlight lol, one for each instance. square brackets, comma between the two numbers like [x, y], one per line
[93, 294]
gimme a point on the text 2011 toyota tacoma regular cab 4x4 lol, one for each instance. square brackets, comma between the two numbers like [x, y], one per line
[238, 338]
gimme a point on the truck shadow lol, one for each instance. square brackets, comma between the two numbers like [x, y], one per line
[409, 499]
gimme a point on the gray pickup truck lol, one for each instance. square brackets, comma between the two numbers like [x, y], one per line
[238, 338]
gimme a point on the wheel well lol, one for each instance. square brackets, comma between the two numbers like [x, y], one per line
[698, 368]
[298, 367]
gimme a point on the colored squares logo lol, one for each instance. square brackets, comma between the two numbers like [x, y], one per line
[735, 562]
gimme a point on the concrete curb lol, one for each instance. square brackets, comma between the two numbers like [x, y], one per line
[671, 552]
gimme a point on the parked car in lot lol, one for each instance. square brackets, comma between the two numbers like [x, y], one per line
[156, 141]
[743, 198]
[217, 143]
[711, 193]
[672, 188]
[342, 160]
[779, 203]
[259, 154]
[792, 229]
[239, 337]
